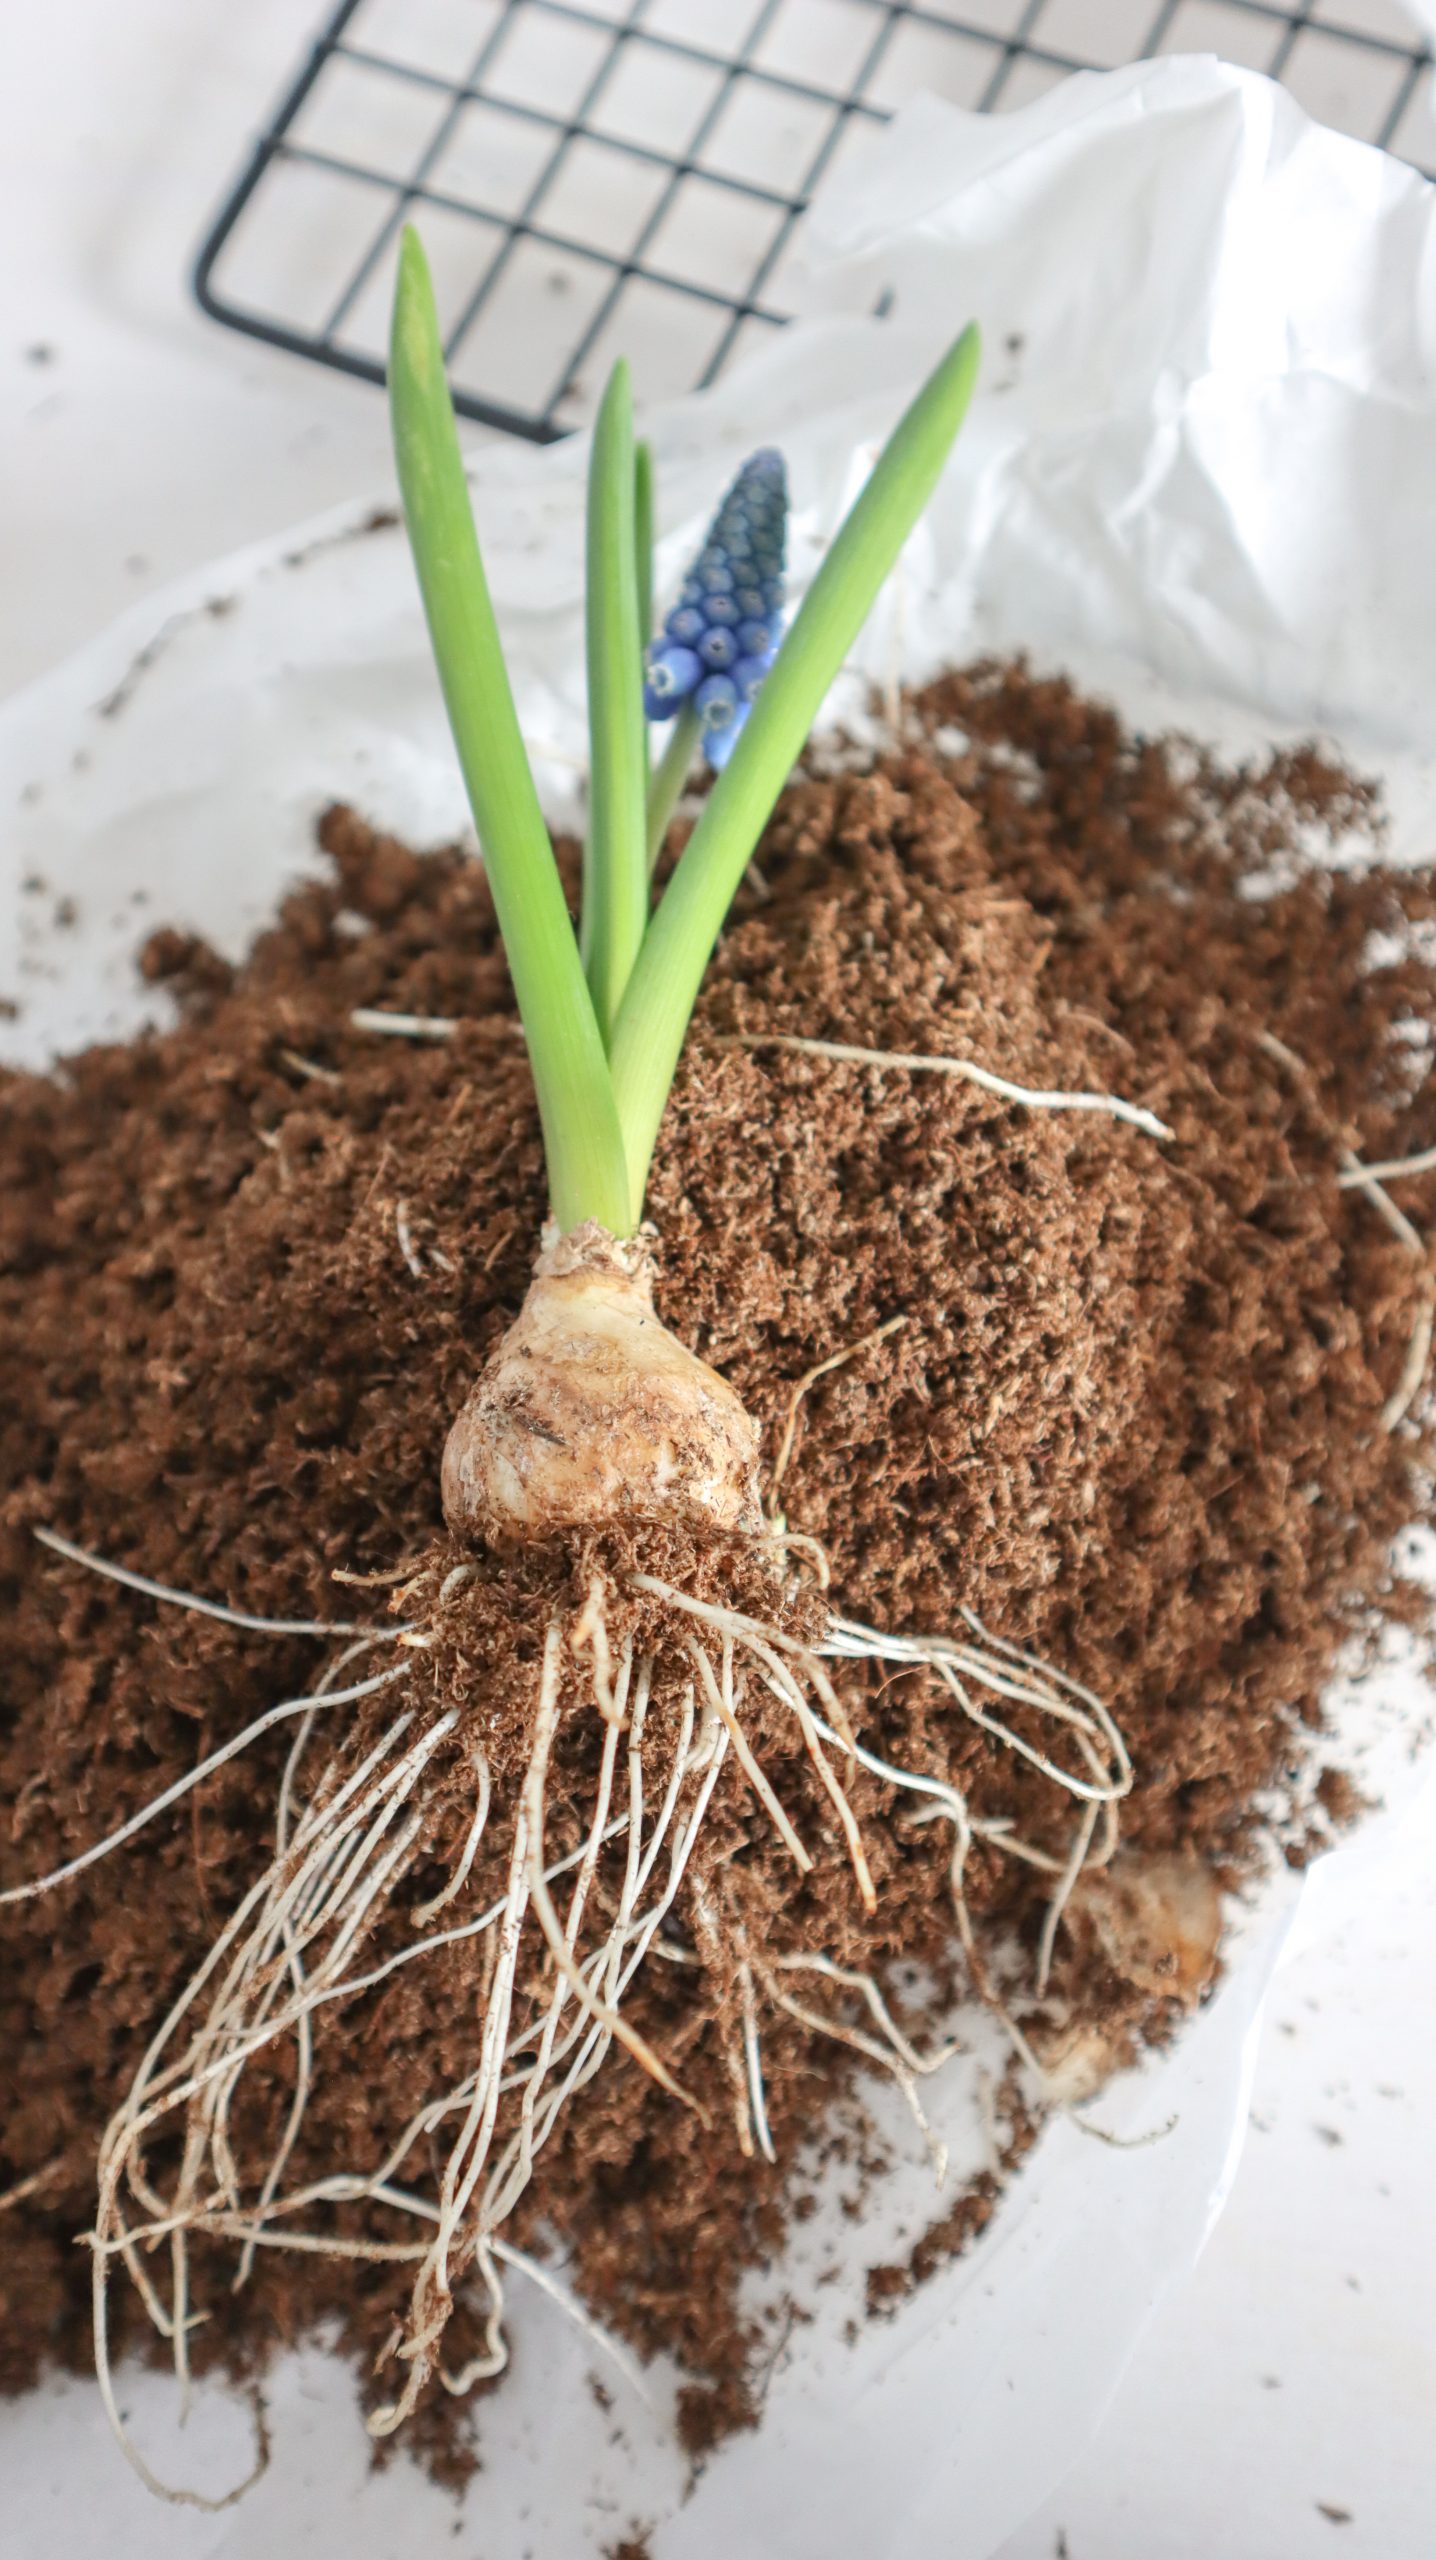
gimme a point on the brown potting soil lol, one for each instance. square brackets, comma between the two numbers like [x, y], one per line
[1133, 1416]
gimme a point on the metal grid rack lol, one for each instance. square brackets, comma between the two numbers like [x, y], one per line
[597, 173]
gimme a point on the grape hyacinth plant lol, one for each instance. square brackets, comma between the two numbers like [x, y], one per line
[606, 1014]
[593, 1452]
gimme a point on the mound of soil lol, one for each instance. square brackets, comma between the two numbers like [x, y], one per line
[1140, 1414]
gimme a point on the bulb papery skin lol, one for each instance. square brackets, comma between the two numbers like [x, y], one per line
[590, 1412]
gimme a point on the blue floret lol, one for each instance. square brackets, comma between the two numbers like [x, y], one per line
[719, 646]
[671, 675]
[716, 701]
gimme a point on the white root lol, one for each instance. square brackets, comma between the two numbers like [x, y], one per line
[1355, 1175]
[195, 1777]
[780, 1680]
[753, 2057]
[432, 2297]
[911, 1062]
[945, 1801]
[121, 2149]
[809, 1378]
[1414, 1367]
[1367, 1178]
[304, 2038]
[767, 1648]
[597, 2024]
[439, 1026]
[190, 1600]
[425, 1911]
[206, 2127]
[1062, 1895]
[413, 1262]
[720, 1698]
[596, 2009]
[875, 2050]
[710, 1957]
[961, 1668]
[283, 1817]
[403, 1026]
[920, 2064]
[519, 2157]
[559, 1970]
[1006, 1672]
[25, 2188]
[1003, 1670]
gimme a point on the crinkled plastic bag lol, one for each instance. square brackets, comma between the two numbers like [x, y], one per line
[1202, 475]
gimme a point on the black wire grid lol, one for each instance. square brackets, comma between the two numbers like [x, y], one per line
[592, 175]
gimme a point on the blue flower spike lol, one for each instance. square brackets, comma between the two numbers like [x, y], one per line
[721, 638]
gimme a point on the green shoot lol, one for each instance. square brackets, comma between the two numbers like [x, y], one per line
[605, 1024]
[665, 788]
[583, 1142]
[663, 989]
[615, 867]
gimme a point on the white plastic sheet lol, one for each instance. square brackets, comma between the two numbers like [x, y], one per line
[1202, 473]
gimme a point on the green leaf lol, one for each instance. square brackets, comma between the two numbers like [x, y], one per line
[643, 538]
[582, 1138]
[664, 986]
[615, 862]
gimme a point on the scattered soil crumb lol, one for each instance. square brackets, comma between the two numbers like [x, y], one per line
[1340, 1799]
[706, 2414]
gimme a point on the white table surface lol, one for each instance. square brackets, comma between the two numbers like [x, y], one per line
[1296, 2371]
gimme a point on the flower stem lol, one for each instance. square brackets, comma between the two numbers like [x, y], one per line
[665, 785]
